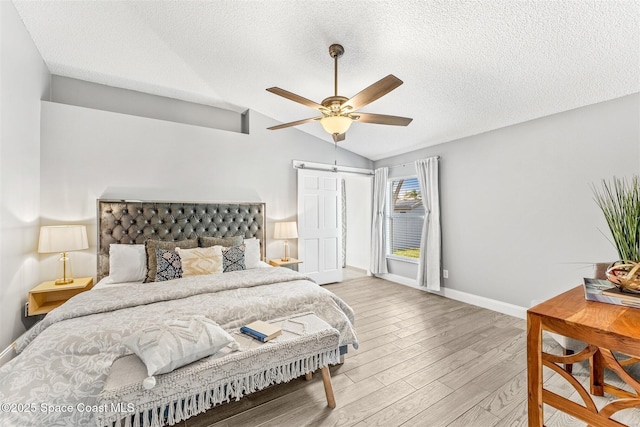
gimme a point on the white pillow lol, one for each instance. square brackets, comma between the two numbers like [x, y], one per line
[252, 253]
[127, 263]
[177, 342]
[198, 261]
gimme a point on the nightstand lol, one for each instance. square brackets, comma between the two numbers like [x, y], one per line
[47, 295]
[290, 263]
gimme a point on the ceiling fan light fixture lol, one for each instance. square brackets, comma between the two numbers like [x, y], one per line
[338, 112]
[336, 125]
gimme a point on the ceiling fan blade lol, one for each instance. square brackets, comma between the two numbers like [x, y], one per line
[296, 98]
[381, 119]
[373, 92]
[299, 122]
[339, 137]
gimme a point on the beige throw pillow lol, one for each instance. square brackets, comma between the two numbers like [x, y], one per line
[199, 261]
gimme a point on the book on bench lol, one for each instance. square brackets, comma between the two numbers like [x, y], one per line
[262, 331]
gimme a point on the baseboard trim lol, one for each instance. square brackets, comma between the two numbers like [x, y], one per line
[364, 271]
[488, 303]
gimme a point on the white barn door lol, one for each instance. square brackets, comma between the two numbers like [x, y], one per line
[320, 225]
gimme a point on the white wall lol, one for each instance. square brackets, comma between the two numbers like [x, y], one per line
[70, 91]
[518, 218]
[23, 80]
[87, 154]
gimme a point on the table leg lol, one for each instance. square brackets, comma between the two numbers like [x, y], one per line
[596, 363]
[328, 388]
[534, 370]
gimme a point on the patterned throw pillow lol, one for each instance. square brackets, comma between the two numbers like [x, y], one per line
[233, 258]
[150, 248]
[199, 261]
[169, 265]
[177, 342]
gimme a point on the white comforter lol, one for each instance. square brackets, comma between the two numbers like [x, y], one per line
[65, 359]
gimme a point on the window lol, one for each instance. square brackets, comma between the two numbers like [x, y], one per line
[405, 218]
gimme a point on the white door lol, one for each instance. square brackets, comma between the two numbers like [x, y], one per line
[319, 225]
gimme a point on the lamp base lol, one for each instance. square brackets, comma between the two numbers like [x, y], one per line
[64, 270]
[286, 251]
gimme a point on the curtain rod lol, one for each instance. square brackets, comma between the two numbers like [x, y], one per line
[297, 164]
[406, 164]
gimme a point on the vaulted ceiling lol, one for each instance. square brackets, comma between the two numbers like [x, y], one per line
[468, 66]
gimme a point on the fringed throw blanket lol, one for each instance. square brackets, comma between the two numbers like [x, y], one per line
[195, 388]
[66, 358]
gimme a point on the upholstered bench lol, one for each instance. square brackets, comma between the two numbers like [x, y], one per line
[307, 343]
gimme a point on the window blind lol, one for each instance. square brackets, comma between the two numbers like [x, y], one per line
[405, 218]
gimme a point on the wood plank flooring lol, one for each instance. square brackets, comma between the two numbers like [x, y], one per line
[423, 360]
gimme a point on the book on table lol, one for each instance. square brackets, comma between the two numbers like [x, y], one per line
[605, 291]
[626, 297]
[262, 331]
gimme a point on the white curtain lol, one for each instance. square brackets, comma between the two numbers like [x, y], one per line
[378, 252]
[429, 269]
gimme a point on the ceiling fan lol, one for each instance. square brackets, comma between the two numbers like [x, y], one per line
[338, 112]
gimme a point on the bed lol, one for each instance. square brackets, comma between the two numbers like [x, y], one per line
[64, 361]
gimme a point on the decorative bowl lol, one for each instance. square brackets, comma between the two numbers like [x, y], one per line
[625, 275]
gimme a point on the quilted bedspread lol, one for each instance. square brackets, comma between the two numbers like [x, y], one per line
[65, 359]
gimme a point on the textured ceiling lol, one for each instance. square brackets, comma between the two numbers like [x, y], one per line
[468, 66]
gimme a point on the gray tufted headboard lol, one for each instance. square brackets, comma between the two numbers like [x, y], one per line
[131, 222]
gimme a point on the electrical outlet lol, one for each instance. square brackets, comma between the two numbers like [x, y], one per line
[445, 274]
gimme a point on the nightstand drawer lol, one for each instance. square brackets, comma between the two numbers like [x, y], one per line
[47, 295]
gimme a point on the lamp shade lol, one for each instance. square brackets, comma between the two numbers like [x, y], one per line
[336, 125]
[286, 230]
[62, 238]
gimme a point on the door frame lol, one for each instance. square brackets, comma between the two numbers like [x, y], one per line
[344, 172]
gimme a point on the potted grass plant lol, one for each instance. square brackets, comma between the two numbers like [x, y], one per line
[619, 201]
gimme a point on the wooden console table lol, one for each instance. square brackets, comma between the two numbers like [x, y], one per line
[606, 328]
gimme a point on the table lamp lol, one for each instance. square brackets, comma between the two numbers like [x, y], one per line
[286, 230]
[63, 239]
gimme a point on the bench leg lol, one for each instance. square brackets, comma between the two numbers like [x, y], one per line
[307, 376]
[328, 388]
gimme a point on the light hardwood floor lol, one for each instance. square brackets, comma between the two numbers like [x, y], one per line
[423, 360]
